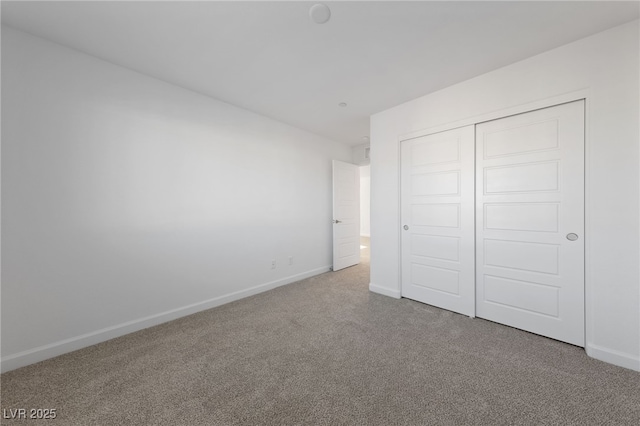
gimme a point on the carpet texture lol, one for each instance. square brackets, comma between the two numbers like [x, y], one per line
[326, 351]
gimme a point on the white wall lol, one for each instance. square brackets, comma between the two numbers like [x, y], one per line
[605, 69]
[360, 154]
[365, 201]
[127, 201]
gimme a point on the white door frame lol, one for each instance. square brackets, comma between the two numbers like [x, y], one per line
[584, 94]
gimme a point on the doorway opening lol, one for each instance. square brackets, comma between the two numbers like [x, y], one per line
[365, 213]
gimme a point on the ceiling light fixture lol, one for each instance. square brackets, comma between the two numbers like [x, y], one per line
[320, 13]
[342, 104]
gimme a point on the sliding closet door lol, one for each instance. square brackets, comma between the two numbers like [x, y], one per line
[530, 221]
[437, 211]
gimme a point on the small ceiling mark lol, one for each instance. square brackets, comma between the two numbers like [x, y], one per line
[320, 13]
[342, 104]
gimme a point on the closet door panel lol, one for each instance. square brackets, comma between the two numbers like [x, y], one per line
[437, 211]
[530, 221]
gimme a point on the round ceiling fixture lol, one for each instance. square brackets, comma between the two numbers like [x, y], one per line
[342, 104]
[320, 13]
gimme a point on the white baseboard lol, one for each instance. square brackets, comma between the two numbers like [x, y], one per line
[620, 359]
[384, 291]
[41, 353]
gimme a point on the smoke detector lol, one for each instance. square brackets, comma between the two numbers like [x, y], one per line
[320, 13]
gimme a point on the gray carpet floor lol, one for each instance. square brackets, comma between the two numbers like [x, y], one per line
[326, 351]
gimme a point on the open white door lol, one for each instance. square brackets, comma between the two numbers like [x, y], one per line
[346, 215]
[438, 220]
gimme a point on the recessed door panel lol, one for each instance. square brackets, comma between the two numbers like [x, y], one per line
[530, 297]
[518, 216]
[436, 247]
[348, 231]
[435, 149]
[438, 215]
[439, 183]
[523, 256]
[434, 278]
[346, 249]
[522, 178]
[520, 139]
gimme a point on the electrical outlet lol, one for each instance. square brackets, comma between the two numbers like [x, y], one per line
[273, 264]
